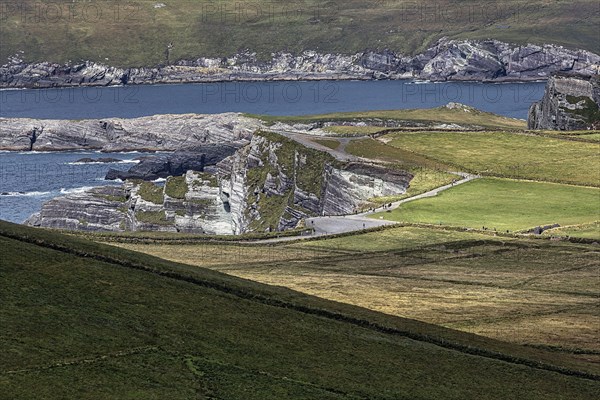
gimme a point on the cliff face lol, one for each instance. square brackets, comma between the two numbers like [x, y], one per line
[274, 183]
[189, 203]
[569, 103]
[271, 184]
[447, 60]
[154, 133]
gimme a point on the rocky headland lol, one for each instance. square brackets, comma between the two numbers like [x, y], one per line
[570, 102]
[154, 133]
[270, 184]
[455, 60]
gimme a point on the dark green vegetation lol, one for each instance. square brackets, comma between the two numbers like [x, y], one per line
[84, 320]
[504, 204]
[137, 33]
[153, 217]
[151, 192]
[176, 187]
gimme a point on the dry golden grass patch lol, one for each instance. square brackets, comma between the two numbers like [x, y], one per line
[533, 292]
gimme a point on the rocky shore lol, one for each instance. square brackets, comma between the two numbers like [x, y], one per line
[447, 60]
[270, 184]
[154, 133]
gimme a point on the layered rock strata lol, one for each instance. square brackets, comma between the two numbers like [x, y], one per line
[570, 102]
[488, 60]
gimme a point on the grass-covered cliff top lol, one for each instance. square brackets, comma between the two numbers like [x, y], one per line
[459, 114]
[137, 33]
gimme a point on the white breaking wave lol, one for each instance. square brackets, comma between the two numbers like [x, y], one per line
[76, 190]
[28, 194]
[159, 180]
[101, 163]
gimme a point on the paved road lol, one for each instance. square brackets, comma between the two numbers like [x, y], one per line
[308, 141]
[357, 222]
[354, 222]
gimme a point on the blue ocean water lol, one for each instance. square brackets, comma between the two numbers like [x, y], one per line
[271, 98]
[29, 179]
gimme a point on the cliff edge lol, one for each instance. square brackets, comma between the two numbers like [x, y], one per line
[570, 102]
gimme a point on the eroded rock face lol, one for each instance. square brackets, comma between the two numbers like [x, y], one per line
[98, 209]
[271, 184]
[197, 208]
[569, 103]
[446, 60]
[347, 188]
[191, 159]
[274, 183]
[154, 133]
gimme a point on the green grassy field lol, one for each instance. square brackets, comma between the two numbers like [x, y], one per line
[330, 143]
[507, 154]
[588, 231]
[88, 321]
[503, 204]
[59, 31]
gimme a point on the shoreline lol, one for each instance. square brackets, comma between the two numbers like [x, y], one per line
[280, 78]
[484, 61]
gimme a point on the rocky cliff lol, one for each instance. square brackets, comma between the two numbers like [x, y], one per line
[154, 133]
[274, 183]
[488, 60]
[187, 203]
[189, 159]
[271, 184]
[570, 102]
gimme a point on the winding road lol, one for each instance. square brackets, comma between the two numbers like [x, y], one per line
[332, 225]
[356, 222]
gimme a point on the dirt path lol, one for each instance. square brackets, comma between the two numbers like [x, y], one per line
[357, 222]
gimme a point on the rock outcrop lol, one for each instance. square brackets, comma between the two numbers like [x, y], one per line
[188, 203]
[274, 183]
[154, 133]
[570, 102]
[271, 184]
[191, 159]
[488, 60]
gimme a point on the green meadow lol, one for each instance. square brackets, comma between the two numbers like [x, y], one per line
[137, 33]
[509, 155]
[503, 204]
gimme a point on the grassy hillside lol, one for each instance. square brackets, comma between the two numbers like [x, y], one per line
[507, 155]
[93, 322]
[137, 33]
[516, 290]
